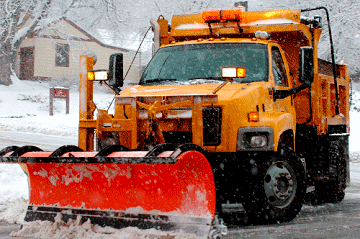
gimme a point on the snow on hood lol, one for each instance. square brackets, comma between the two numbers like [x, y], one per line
[225, 93]
[194, 87]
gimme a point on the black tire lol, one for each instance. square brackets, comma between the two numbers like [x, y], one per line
[112, 138]
[276, 187]
[333, 190]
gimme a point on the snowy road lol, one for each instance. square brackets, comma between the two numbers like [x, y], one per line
[45, 142]
[326, 221]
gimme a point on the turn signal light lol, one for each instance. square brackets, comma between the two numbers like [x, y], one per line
[241, 72]
[253, 117]
[91, 75]
[99, 75]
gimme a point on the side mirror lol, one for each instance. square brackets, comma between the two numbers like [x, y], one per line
[306, 65]
[116, 79]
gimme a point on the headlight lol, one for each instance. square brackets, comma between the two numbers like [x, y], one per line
[255, 139]
[258, 141]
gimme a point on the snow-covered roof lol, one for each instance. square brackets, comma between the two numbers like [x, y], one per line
[132, 41]
[86, 35]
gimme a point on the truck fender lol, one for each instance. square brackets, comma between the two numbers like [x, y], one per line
[284, 126]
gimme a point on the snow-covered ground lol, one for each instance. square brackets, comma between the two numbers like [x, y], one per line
[24, 106]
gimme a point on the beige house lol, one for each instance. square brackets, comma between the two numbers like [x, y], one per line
[54, 53]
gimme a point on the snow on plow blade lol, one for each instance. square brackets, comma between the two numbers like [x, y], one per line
[169, 190]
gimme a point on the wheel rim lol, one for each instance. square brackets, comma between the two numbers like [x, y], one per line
[280, 184]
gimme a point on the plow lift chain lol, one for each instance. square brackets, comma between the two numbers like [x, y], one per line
[154, 135]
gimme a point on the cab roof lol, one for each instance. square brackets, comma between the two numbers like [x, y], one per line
[235, 23]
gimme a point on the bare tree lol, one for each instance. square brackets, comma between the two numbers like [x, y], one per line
[346, 34]
[14, 14]
[344, 22]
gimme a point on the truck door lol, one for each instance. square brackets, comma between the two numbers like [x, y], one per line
[281, 80]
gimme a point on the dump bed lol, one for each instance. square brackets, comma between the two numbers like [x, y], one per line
[319, 107]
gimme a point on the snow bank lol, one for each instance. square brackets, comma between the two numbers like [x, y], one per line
[355, 134]
[24, 106]
[14, 193]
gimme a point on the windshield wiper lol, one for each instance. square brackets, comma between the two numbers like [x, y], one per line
[209, 78]
[157, 81]
[222, 85]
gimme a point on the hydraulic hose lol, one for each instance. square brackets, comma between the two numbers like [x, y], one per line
[337, 111]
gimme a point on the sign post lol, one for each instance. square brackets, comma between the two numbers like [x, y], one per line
[58, 93]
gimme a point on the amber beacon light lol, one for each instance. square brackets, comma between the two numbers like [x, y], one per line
[222, 15]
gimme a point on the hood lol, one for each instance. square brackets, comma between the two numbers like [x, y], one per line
[229, 91]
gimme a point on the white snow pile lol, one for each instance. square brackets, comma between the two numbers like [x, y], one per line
[75, 229]
[25, 107]
[14, 193]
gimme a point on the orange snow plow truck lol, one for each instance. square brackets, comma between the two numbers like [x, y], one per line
[234, 107]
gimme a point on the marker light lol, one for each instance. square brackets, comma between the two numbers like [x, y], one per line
[253, 116]
[241, 72]
[233, 72]
[222, 15]
[262, 35]
[91, 75]
[99, 75]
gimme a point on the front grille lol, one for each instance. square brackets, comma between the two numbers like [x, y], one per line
[177, 137]
[211, 129]
[212, 125]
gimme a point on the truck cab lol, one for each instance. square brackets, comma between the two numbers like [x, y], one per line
[244, 103]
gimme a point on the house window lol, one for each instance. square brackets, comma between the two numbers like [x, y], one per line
[62, 55]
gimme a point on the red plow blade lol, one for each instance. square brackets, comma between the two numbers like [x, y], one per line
[170, 191]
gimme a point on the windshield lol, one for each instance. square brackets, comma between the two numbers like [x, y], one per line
[202, 63]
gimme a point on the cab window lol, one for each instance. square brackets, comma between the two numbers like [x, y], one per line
[278, 67]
